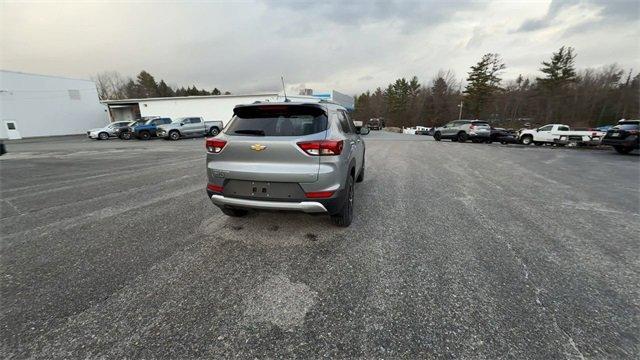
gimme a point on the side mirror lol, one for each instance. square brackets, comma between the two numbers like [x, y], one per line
[181, 124]
[363, 130]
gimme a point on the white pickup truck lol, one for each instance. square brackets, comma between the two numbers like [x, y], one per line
[559, 134]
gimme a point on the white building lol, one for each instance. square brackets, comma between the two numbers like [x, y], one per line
[42, 105]
[210, 107]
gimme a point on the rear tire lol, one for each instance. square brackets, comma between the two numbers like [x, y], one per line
[144, 135]
[344, 217]
[437, 136]
[623, 150]
[234, 212]
[361, 175]
[174, 135]
[462, 136]
[125, 136]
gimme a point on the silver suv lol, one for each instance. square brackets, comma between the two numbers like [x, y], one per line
[287, 156]
[463, 130]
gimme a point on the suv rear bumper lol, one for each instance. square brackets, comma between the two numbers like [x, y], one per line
[329, 206]
[303, 206]
[621, 142]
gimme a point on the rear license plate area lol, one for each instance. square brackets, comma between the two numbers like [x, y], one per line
[263, 190]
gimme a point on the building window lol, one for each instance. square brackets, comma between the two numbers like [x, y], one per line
[11, 126]
[74, 94]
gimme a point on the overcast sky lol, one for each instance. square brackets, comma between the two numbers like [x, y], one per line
[349, 46]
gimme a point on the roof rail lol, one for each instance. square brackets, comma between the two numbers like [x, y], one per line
[329, 102]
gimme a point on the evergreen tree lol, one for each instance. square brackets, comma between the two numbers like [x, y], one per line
[132, 90]
[559, 71]
[181, 91]
[483, 82]
[402, 101]
[192, 91]
[147, 84]
[215, 92]
[165, 90]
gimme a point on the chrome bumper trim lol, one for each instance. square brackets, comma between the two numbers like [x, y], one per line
[304, 206]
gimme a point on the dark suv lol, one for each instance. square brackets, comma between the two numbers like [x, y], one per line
[375, 124]
[624, 136]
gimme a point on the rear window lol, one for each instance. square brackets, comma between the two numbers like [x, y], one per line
[480, 123]
[627, 126]
[274, 120]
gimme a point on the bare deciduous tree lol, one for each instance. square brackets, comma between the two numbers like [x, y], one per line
[110, 85]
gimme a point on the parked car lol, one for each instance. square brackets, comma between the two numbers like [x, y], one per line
[375, 124]
[624, 137]
[605, 128]
[502, 136]
[108, 131]
[463, 130]
[559, 134]
[147, 129]
[409, 130]
[189, 126]
[422, 130]
[287, 156]
[125, 132]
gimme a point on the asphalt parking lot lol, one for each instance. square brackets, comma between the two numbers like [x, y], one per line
[111, 249]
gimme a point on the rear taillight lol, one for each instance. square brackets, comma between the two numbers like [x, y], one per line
[322, 147]
[214, 145]
[215, 188]
[319, 194]
[632, 132]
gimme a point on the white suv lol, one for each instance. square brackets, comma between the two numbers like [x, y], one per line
[463, 130]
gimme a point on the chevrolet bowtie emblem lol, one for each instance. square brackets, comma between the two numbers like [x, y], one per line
[258, 147]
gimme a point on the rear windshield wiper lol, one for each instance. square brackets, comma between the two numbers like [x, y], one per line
[250, 132]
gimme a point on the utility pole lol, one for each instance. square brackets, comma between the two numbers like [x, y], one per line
[460, 106]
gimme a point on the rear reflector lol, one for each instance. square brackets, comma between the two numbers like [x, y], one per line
[319, 194]
[215, 188]
[322, 147]
[214, 145]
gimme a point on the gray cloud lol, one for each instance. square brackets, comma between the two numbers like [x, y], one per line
[426, 12]
[246, 47]
[612, 10]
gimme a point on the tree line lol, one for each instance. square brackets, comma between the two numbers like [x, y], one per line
[562, 94]
[112, 85]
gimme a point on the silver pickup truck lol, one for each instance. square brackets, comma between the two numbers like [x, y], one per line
[188, 127]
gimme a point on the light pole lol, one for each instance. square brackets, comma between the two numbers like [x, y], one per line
[460, 106]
